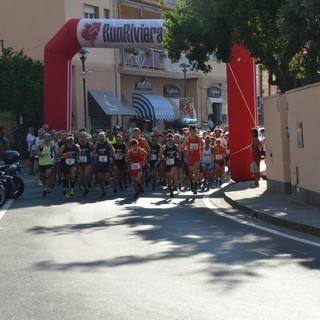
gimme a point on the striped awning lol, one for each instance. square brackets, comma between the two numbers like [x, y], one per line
[152, 107]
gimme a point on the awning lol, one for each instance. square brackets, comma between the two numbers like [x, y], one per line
[108, 103]
[211, 101]
[216, 100]
[152, 107]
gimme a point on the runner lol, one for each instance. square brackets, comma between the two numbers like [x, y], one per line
[104, 152]
[180, 162]
[62, 141]
[154, 159]
[55, 161]
[119, 164]
[192, 146]
[207, 163]
[136, 157]
[37, 142]
[219, 152]
[69, 153]
[85, 162]
[170, 153]
[45, 152]
[143, 143]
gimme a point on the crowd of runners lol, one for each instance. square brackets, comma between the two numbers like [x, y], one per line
[114, 159]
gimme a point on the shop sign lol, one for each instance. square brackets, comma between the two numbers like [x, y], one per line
[144, 85]
[214, 92]
[171, 91]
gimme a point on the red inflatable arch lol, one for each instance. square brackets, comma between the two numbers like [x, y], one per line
[119, 33]
[242, 111]
[78, 33]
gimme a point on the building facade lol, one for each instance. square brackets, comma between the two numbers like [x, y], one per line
[144, 83]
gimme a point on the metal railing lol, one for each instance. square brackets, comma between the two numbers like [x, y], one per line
[150, 59]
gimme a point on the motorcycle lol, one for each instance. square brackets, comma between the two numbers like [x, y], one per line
[3, 197]
[10, 175]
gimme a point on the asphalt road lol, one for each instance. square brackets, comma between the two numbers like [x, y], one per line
[156, 258]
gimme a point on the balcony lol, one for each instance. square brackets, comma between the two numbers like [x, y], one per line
[153, 59]
[150, 59]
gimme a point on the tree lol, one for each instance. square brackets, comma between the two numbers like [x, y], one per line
[280, 35]
[21, 85]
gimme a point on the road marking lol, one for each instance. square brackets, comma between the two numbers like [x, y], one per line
[263, 253]
[5, 207]
[216, 210]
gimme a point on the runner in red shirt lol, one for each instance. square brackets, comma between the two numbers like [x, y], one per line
[192, 146]
[136, 157]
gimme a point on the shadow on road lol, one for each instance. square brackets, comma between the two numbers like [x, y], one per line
[231, 253]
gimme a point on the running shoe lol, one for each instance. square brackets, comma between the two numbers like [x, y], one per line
[67, 194]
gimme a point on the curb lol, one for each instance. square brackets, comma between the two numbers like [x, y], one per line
[256, 214]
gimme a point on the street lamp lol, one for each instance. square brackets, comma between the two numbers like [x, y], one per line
[83, 52]
[184, 66]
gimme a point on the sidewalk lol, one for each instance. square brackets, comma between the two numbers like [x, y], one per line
[278, 209]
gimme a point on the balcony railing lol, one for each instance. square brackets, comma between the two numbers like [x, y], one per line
[150, 59]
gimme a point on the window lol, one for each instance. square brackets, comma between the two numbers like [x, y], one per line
[90, 12]
[106, 13]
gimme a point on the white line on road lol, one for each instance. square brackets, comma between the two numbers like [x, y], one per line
[216, 210]
[5, 207]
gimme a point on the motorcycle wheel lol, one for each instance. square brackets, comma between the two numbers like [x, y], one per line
[3, 197]
[19, 184]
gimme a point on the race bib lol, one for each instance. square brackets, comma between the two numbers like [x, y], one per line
[135, 166]
[170, 162]
[103, 158]
[219, 156]
[153, 157]
[206, 160]
[118, 156]
[194, 146]
[70, 161]
[83, 159]
[46, 154]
